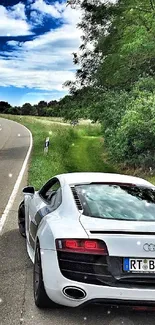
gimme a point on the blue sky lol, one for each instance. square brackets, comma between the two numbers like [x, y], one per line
[37, 39]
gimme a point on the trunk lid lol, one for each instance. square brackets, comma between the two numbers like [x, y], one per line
[91, 224]
[123, 238]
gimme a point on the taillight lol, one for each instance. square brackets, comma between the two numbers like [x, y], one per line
[143, 308]
[90, 246]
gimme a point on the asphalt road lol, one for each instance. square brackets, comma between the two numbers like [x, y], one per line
[14, 143]
[16, 298]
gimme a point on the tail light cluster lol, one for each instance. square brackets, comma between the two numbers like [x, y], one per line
[88, 246]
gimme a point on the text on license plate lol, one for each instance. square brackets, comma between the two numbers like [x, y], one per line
[139, 265]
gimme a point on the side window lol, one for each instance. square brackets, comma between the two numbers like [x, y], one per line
[51, 192]
[58, 198]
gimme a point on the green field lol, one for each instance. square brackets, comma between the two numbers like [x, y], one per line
[72, 149]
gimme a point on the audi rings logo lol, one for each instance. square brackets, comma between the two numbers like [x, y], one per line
[149, 247]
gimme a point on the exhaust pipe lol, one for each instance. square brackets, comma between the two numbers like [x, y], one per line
[74, 293]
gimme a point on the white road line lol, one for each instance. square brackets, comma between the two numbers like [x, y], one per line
[17, 184]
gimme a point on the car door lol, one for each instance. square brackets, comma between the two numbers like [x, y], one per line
[44, 202]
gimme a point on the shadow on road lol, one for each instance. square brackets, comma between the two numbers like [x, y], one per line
[17, 296]
[14, 153]
[13, 253]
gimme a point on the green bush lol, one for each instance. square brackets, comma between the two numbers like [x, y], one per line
[136, 135]
[128, 123]
[131, 141]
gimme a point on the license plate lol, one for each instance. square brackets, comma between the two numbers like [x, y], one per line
[145, 265]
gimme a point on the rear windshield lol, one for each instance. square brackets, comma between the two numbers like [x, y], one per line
[118, 201]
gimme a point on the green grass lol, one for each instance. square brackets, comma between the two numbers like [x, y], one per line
[150, 179]
[86, 155]
[72, 149]
[91, 130]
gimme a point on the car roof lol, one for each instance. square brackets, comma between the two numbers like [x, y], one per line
[88, 177]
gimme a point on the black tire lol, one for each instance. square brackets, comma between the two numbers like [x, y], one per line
[40, 297]
[21, 219]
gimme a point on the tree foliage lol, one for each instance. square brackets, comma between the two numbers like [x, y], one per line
[4, 106]
[128, 50]
[122, 35]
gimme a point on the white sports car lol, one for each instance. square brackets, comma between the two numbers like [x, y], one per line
[91, 237]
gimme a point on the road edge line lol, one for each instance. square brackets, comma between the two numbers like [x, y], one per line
[17, 184]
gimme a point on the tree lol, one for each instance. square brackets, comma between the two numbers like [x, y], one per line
[41, 108]
[122, 34]
[14, 110]
[26, 109]
[4, 106]
[42, 104]
[95, 21]
[52, 103]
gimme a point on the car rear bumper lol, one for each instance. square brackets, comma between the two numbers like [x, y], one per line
[55, 283]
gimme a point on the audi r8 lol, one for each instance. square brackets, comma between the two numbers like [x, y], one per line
[91, 238]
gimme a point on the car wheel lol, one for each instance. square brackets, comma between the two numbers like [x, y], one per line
[21, 219]
[40, 297]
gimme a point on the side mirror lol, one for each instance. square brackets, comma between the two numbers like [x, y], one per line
[28, 190]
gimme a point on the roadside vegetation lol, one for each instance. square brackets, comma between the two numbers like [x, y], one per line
[72, 149]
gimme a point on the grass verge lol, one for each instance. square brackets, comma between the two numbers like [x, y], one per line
[72, 149]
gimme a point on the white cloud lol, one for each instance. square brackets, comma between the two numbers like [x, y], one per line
[102, 1]
[45, 8]
[36, 17]
[45, 62]
[39, 79]
[58, 11]
[60, 35]
[13, 43]
[12, 22]
[71, 16]
[17, 11]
